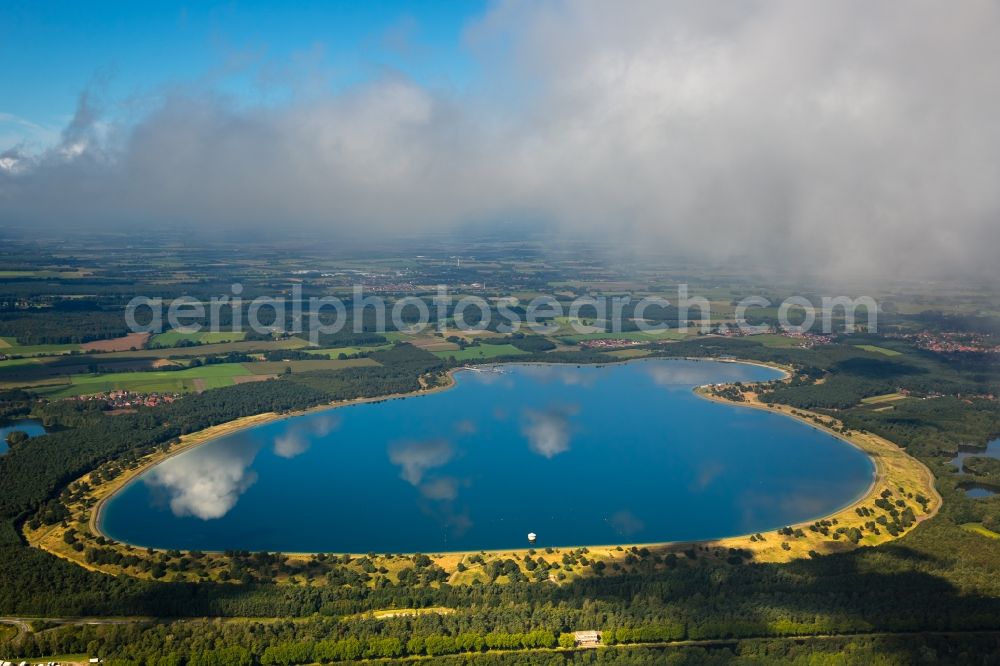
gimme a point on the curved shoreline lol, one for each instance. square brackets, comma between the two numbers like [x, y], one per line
[211, 433]
[874, 447]
[878, 474]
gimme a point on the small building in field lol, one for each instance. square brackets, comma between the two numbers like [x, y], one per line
[587, 638]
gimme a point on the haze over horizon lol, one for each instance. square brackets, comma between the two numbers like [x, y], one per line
[841, 138]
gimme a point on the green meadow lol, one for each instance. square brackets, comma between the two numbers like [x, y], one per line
[886, 397]
[638, 336]
[161, 381]
[776, 341]
[246, 346]
[978, 528]
[337, 351]
[10, 347]
[277, 367]
[14, 362]
[879, 350]
[480, 352]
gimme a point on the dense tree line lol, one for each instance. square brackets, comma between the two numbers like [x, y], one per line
[15, 403]
[937, 578]
[528, 343]
[67, 327]
[34, 473]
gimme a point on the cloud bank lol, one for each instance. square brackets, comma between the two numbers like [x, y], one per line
[839, 136]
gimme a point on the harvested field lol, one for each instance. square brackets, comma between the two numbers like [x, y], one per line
[126, 343]
[244, 379]
[210, 349]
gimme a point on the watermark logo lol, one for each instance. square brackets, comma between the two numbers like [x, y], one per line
[314, 317]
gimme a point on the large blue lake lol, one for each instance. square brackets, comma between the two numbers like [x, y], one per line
[587, 455]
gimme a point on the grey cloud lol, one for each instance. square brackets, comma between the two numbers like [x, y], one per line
[841, 137]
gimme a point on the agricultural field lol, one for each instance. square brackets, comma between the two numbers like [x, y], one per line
[887, 397]
[277, 367]
[171, 338]
[638, 336]
[978, 528]
[570, 325]
[15, 362]
[480, 352]
[211, 349]
[124, 343]
[337, 351]
[879, 350]
[628, 353]
[164, 381]
[776, 341]
[10, 347]
[433, 344]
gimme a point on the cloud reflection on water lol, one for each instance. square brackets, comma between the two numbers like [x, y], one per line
[438, 494]
[673, 375]
[706, 473]
[298, 437]
[798, 504]
[414, 458]
[466, 427]
[567, 376]
[549, 431]
[626, 523]
[443, 488]
[670, 375]
[205, 483]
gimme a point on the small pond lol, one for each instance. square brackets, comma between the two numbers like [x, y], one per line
[30, 426]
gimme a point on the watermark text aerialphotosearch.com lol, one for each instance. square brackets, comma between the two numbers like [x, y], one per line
[316, 316]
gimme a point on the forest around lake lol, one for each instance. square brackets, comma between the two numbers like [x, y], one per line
[891, 584]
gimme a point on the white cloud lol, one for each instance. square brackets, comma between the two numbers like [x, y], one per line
[839, 137]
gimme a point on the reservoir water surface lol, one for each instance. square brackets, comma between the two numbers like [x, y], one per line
[30, 427]
[588, 455]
